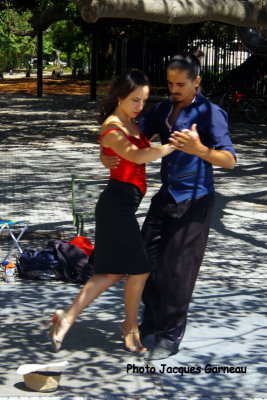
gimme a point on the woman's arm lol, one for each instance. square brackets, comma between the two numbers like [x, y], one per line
[117, 141]
[112, 161]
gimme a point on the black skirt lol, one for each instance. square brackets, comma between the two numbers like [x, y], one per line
[119, 248]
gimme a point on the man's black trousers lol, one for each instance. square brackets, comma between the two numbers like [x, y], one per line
[175, 237]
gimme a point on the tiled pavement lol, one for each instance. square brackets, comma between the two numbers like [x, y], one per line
[43, 142]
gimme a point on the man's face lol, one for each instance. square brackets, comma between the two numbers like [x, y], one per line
[181, 88]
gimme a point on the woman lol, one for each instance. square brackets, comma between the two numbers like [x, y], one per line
[119, 250]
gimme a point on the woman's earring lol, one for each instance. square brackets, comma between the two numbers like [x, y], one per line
[119, 103]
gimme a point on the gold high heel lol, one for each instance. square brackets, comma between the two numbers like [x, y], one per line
[56, 320]
[137, 348]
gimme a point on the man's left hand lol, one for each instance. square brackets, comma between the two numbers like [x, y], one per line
[187, 140]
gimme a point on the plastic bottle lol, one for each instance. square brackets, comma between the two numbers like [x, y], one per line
[9, 271]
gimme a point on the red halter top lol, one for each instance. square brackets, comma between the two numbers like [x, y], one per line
[127, 171]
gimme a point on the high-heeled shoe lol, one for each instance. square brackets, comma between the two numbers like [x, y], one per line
[136, 348]
[56, 320]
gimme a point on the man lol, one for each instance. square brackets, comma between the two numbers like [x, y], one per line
[177, 225]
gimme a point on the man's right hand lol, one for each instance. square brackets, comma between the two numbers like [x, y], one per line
[109, 161]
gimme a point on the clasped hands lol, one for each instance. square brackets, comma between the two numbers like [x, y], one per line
[187, 140]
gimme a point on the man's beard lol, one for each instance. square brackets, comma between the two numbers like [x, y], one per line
[175, 100]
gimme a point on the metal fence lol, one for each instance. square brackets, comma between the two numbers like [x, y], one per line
[220, 57]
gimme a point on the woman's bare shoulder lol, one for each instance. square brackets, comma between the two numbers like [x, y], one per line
[110, 124]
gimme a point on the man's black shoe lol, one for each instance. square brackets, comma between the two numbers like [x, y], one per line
[158, 353]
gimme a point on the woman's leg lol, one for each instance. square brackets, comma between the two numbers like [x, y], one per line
[92, 289]
[134, 287]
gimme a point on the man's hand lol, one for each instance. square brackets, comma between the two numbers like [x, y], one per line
[187, 140]
[109, 161]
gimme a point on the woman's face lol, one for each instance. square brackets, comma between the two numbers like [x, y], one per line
[134, 103]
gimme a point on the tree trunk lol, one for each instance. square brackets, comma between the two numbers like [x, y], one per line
[40, 64]
[93, 76]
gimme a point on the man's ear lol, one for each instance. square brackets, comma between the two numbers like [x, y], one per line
[197, 81]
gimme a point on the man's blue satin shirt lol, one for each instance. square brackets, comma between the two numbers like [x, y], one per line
[184, 175]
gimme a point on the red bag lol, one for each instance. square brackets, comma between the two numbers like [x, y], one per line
[84, 244]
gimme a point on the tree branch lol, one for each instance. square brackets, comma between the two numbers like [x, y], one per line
[235, 12]
[16, 32]
[41, 20]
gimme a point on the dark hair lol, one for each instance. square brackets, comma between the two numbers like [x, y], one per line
[123, 85]
[187, 61]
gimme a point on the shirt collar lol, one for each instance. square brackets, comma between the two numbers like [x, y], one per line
[198, 97]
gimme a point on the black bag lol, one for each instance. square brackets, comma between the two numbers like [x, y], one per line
[77, 266]
[39, 264]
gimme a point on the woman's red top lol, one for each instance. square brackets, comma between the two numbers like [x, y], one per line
[127, 171]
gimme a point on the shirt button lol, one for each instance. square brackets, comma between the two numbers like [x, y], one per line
[170, 186]
[169, 175]
[169, 164]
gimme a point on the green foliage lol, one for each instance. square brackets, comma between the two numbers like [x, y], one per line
[26, 5]
[15, 51]
[217, 30]
[63, 37]
[70, 41]
[80, 56]
[43, 12]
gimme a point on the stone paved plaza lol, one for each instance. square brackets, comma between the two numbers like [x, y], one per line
[43, 142]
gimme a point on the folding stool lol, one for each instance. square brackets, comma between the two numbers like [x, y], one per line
[9, 225]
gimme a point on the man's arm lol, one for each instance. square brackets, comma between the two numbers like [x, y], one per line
[108, 161]
[189, 142]
[149, 121]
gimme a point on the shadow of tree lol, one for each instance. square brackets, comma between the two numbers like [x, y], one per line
[27, 119]
[226, 328]
[44, 142]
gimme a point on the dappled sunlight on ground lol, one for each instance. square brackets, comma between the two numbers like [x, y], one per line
[43, 142]
[61, 85]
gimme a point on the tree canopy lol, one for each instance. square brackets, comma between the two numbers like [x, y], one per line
[43, 12]
[15, 50]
